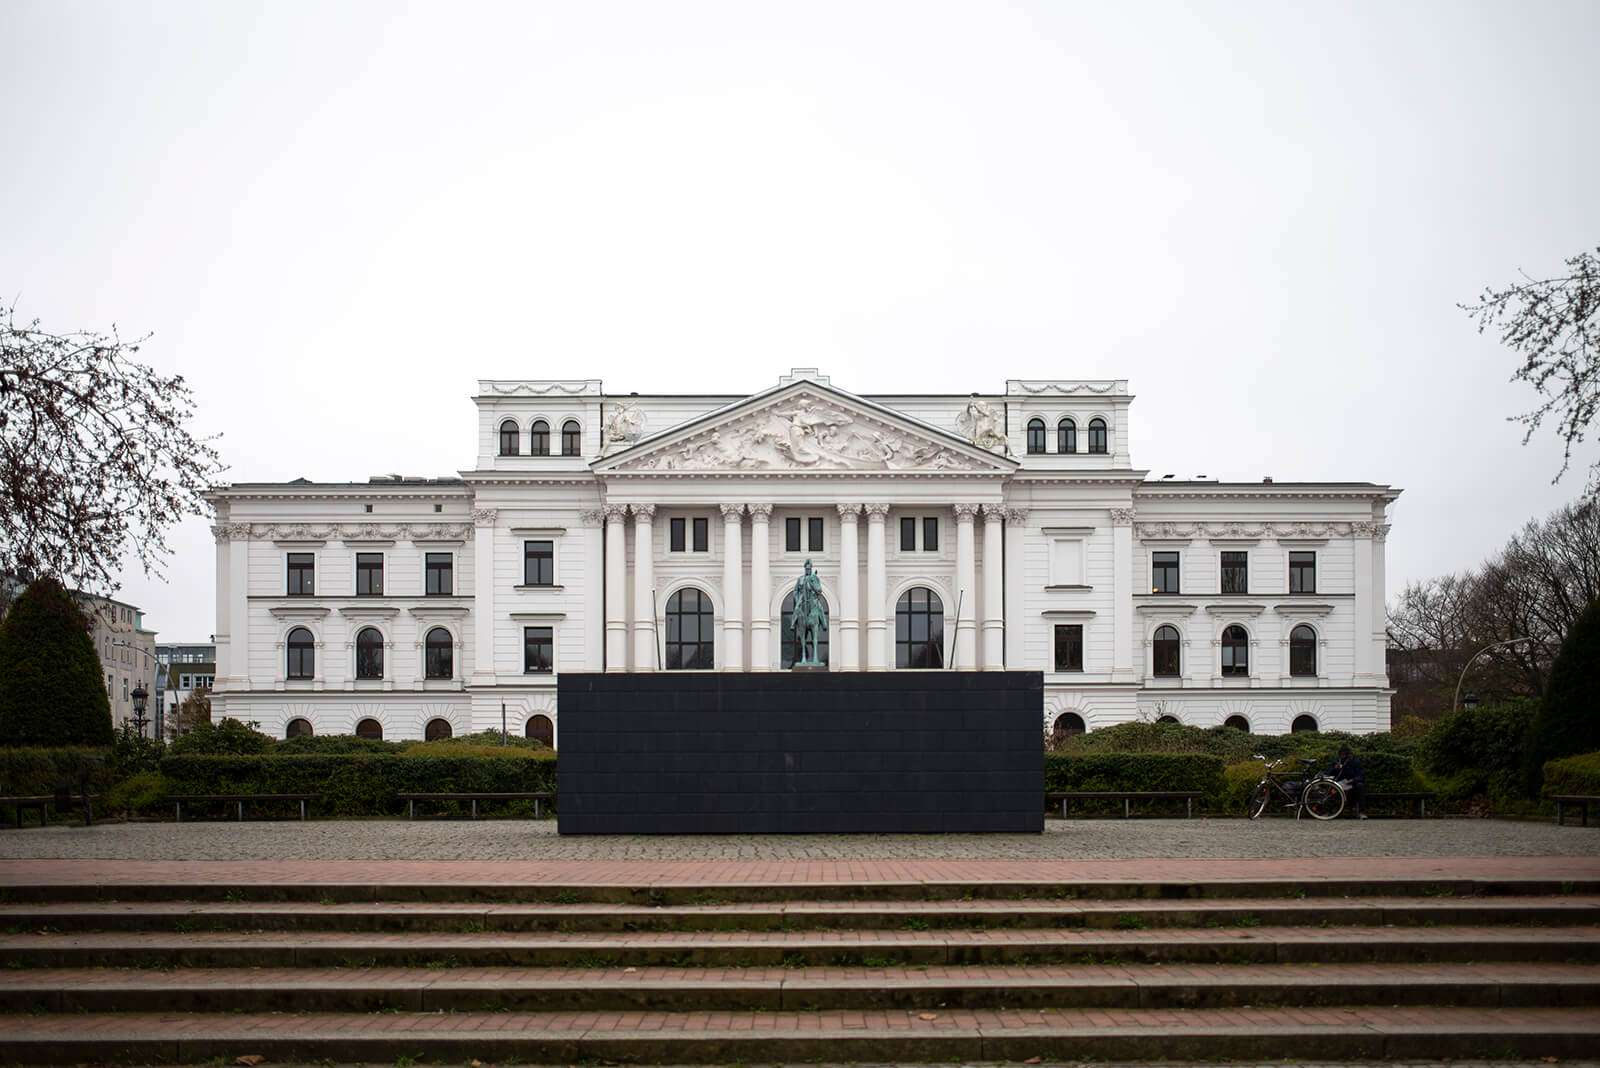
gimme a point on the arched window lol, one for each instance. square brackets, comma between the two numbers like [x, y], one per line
[539, 438]
[509, 438]
[302, 654]
[540, 729]
[691, 631]
[1164, 658]
[1238, 723]
[437, 659]
[1035, 436]
[1302, 724]
[1097, 435]
[369, 653]
[370, 728]
[437, 729]
[1302, 651]
[1068, 723]
[791, 642]
[1235, 651]
[1167, 719]
[1066, 436]
[299, 727]
[571, 438]
[919, 629]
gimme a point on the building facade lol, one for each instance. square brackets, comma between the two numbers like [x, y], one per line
[601, 532]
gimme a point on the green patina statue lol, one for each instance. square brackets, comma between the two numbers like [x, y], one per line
[810, 617]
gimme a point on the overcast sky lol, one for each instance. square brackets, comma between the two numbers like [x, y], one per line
[336, 217]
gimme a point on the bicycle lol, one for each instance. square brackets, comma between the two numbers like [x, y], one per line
[1317, 794]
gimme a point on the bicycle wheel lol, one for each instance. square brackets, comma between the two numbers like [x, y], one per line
[1260, 798]
[1324, 799]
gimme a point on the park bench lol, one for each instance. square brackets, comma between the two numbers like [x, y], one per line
[1421, 797]
[1581, 802]
[42, 802]
[238, 800]
[538, 799]
[1127, 797]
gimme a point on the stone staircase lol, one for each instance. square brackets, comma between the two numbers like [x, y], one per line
[767, 973]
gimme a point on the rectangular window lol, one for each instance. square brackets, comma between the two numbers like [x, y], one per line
[814, 533]
[438, 574]
[538, 650]
[677, 541]
[1069, 647]
[538, 563]
[1163, 572]
[1303, 572]
[930, 534]
[791, 534]
[302, 569]
[1235, 572]
[369, 574]
[701, 528]
[908, 534]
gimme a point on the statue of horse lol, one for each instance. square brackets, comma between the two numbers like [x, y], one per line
[810, 617]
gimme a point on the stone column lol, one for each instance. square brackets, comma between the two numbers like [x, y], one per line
[644, 581]
[616, 588]
[966, 591]
[994, 624]
[1123, 668]
[732, 657]
[1016, 628]
[483, 521]
[846, 624]
[879, 636]
[760, 588]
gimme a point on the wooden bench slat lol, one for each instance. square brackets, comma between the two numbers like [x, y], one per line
[238, 800]
[1127, 797]
[538, 797]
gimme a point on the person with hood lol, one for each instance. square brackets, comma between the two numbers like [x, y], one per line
[1347, 769]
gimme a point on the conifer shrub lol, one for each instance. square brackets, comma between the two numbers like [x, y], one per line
[52, 690]
[1568, 721]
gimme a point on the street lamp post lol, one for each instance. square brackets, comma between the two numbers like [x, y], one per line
[1455, 704]
[140, 697]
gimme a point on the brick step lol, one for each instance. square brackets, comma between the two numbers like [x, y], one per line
[1327, 1034]
[911, 890]
[285, 949]
[363, 990]
[757, 916]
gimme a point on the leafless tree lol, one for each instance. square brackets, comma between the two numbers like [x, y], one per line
[1554, 325]
[96, 457]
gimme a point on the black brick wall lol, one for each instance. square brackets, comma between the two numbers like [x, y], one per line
[801, 753]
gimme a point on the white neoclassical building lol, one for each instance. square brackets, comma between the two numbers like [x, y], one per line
[602, 532]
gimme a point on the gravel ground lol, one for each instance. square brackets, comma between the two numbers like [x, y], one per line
[1106, 839]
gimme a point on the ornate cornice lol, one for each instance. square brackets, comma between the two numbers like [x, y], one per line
[344, 531]
[1246, 530]
[1065, 389]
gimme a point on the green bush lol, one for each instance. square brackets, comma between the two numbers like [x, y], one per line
[135, 752]
[1567, 722]
[363, 784]
[1573, 775]
[228, 737]
[25, 771]
[1136, 771]
[1479, 752]
[141, 793]
[328, 744]
[478, 739]
[52, 691]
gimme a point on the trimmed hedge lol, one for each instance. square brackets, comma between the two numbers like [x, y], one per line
[1573, 775]
[364, 784]
[1136, 771]
[34, 770]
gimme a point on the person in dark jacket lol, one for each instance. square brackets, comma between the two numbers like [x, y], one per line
[1346, 768]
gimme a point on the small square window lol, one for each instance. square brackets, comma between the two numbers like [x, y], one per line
[930, 534]
[908, 534]
[791, 534]
[1069, 647]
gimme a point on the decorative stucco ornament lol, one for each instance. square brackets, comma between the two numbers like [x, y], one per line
[624, 426]
[984, 426]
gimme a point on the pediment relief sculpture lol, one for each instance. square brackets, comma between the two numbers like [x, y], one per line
[984, 426]
[805, 434]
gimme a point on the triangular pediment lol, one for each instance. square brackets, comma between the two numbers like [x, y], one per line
[805, 426]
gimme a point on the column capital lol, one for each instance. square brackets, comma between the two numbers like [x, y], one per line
[1017, 516]
[591, 516]
[485, 517]
[994, 513]
[849, 512]
[964, 509]
[732, 512]
[616, 513]
[760, 511]
[876, 513]
[1122, 517]
[643, 511]
[231, 532]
